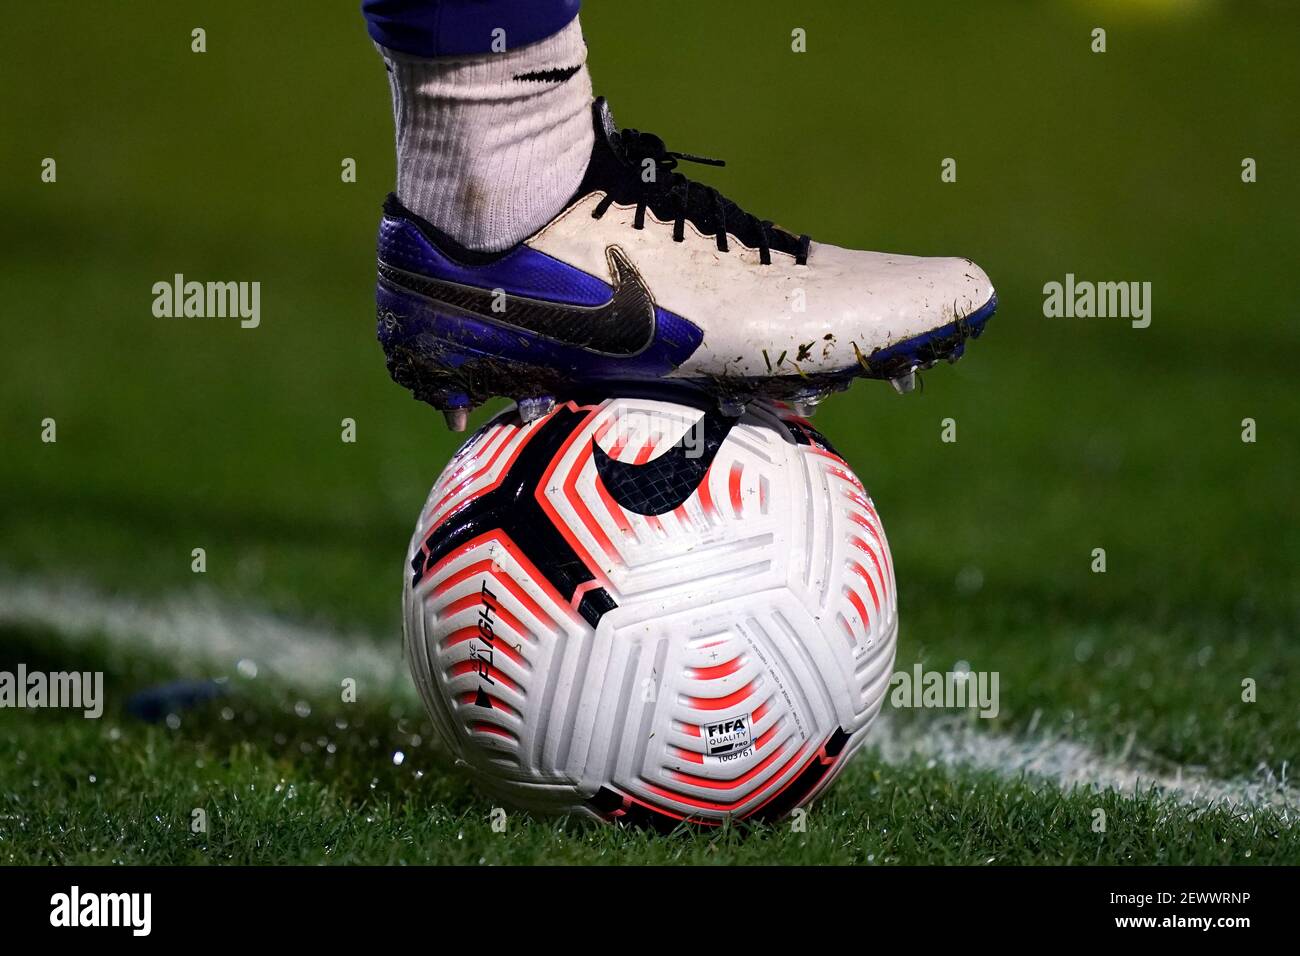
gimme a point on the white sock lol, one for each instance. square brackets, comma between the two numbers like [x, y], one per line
[485, 155]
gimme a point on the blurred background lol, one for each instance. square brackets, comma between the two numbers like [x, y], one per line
[1072, 434]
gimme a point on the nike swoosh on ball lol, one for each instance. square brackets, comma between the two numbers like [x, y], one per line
[666, 482]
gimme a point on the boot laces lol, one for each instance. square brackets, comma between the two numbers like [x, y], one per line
[680, 196]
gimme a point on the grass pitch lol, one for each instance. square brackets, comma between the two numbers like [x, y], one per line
[1120, 691]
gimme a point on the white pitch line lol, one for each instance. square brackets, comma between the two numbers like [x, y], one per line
[199, 630]
[1067, 764]
[203, 631]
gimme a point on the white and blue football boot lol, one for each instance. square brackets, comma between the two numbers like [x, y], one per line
[648, 281]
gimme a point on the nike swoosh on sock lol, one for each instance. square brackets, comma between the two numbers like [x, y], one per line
[556, 75]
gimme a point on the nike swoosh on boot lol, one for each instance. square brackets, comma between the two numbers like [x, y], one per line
[623, 326]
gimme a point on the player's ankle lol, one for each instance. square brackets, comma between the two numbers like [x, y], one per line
[491, 146]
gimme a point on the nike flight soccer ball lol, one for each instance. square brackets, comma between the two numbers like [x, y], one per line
[637, 610]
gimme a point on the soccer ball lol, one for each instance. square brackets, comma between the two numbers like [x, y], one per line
[637, 610]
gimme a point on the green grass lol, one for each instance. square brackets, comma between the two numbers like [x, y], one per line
[277, 805]
[277, 785]
[1072, 434]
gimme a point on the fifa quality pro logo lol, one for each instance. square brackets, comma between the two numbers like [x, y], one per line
[729, 738]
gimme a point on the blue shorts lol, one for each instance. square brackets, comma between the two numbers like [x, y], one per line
[457, 27]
